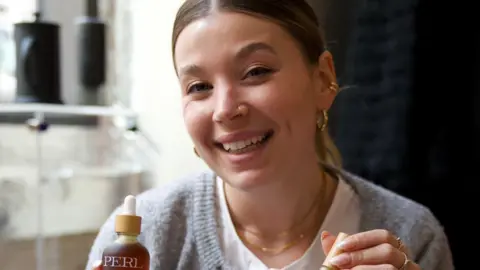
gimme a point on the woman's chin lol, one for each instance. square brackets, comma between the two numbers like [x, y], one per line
[247, 180]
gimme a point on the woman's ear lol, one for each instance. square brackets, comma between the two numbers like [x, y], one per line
[326, 81]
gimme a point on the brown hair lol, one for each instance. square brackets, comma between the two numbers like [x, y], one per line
[295, 16]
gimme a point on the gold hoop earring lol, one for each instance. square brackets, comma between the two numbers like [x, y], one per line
[195, 151]
[322, 125]
[334, 87]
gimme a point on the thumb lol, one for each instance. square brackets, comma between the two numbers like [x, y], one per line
[328, 240]
[97, 265]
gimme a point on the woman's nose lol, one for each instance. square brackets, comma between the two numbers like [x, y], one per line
[226, 105]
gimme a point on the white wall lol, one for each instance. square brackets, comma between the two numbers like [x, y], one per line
[155, 91]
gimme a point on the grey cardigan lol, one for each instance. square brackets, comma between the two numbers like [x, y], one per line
[179, 226]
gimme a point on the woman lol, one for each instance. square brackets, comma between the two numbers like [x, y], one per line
[256, 85]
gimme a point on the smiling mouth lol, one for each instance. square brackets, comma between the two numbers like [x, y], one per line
[240, 147]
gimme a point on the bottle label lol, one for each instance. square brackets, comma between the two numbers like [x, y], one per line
[121, 262]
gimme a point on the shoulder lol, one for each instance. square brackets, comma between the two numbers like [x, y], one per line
[169, 207]
[378, 199]
[413, 222]
[173, 195]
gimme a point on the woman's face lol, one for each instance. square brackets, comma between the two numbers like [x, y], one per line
[250, 100]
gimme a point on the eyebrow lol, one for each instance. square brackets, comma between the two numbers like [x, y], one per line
[190, 70]
[243, 53]
[253, 47]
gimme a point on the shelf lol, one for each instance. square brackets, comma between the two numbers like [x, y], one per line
[65, 110]
[61, 114]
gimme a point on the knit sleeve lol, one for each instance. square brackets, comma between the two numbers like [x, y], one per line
[436, 254]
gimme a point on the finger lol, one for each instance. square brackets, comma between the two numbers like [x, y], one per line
[413, 266]
[375, 267]
[381, 254]
[368, 239]
[328, 240]
[97, 265]
[410, 266]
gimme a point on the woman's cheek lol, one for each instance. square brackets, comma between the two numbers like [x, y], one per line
[196, 121]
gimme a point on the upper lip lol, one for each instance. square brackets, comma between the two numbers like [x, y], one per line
[239, 136]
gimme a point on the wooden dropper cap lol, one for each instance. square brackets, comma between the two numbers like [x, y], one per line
[128, 222]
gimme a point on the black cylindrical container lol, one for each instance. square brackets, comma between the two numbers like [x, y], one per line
[37, 62]
[92, 55]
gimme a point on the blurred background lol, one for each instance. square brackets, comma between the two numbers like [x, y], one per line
[90, 112]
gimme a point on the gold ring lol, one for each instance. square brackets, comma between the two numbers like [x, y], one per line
[326, 267]
[405, 263]
[400, 243]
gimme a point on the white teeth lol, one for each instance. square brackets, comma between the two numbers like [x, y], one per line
[242, 144]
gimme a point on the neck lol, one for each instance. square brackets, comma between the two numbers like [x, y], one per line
[276, 208]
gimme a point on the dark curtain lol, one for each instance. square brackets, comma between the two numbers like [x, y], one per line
[408, 119]
[443, 143]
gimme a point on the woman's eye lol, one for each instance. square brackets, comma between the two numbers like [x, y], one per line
[198, 87]
[258, 71]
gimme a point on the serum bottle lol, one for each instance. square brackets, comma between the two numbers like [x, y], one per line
[126, 253]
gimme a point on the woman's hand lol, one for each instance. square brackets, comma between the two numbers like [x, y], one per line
[376, 249]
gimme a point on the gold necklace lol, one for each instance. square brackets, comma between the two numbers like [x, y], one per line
[275, 251]
[310, 210]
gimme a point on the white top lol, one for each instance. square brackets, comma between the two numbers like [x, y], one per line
[343, 216]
